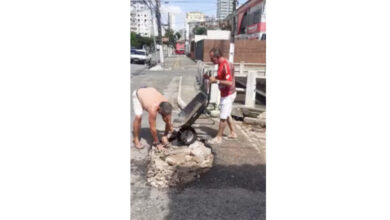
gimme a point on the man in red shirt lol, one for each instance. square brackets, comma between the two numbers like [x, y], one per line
[226, 83]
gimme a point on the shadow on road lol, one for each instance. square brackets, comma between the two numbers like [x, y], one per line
[226, 192]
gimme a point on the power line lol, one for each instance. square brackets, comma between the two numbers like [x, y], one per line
[181, 2]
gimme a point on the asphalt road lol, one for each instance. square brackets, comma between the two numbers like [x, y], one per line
[137, 69]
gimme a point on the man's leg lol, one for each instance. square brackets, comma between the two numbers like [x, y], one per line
[222, 123]
[137, 120]
[218, 139]
[136, 128]
[230, 123]
[229, 107]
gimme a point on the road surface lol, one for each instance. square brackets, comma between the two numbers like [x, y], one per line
[137, 69]
[233, 189]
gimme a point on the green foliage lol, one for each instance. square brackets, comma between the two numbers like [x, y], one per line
[134, 43]
[199, 30]
[177, 35]
[137, 41]
[169, 33]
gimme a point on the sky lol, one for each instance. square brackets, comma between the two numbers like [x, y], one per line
[180, 7]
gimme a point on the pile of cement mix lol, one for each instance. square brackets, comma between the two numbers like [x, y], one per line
[178, 165]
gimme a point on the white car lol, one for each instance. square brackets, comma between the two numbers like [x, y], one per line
[139, 56]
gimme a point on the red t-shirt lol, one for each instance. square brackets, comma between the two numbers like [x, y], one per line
[226, 72]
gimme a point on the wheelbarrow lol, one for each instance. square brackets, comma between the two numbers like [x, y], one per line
[185, 133]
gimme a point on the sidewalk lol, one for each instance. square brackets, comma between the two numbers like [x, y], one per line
[239, 163]
[247, 149]
[250, 141]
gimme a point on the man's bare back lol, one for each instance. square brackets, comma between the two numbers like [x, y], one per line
[150, 98]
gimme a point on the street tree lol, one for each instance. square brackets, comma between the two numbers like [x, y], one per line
[199, 30]
[178, 36]
[137, 41]
[169, 33]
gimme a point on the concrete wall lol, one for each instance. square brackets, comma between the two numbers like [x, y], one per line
[218, 34]
[208, 44]
[199, 37]
[250, 51]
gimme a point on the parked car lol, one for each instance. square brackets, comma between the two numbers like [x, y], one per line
[139, 56]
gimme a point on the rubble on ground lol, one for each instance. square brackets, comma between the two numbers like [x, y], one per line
[237, 113]
[260, 120]
[178, 165]
[262, 117]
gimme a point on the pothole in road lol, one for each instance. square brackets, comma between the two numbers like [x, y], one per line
[178, 165]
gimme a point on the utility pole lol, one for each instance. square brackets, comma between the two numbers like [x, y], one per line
[232, 34]
[150, 6]
[158, 16]
[169, 21]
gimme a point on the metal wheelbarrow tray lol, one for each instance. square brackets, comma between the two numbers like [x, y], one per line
[186, 133]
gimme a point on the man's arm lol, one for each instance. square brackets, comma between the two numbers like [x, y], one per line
[168, 127]
[152, 126]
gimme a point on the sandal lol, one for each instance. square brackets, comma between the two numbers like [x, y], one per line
[215, 141]
[142, 146]
[232, 136]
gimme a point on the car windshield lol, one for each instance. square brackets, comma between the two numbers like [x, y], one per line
[138, 52]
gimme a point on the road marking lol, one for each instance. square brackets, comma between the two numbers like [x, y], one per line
[171, 90]
[176, 64]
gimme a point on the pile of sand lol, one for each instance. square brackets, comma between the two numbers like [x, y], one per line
[178, 165]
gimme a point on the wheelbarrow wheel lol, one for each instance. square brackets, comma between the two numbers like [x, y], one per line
[187, 136]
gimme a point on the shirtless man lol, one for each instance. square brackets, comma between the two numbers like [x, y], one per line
[150, 100]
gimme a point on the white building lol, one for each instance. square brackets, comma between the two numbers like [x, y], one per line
[195, 16]
[172, 21]
[224, 8]
[191, 19]
[141, 19]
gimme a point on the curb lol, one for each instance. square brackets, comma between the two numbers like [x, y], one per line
[180, 101]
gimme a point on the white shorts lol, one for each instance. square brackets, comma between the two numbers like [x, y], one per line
[226, 105]
[137, 105]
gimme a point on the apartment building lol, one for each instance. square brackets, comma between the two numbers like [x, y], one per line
[195, 16]
[224, 8]
[141, 19]
[172, 21]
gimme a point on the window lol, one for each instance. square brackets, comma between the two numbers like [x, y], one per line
[139, 52]
[243, 23]
[256, 16]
